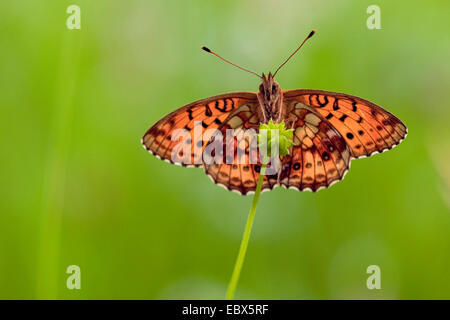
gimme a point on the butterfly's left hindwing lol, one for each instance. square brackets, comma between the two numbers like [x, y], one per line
[212, 112]
[240, 171]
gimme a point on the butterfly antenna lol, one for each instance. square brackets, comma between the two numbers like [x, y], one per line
[285, 61]
[210, 51]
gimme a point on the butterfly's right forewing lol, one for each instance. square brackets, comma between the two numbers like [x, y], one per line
[366, 127]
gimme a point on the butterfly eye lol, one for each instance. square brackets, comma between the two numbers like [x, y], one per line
[274, 89]
[261, 88]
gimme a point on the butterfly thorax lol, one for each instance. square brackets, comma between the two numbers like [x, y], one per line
[270, 99]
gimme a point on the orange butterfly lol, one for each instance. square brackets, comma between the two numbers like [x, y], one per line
[330, 129]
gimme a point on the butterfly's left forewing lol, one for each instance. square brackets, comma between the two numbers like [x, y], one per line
[207, 114]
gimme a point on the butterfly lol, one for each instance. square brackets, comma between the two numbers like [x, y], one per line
[329, 130]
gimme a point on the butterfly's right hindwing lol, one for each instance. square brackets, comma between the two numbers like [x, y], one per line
[319, 157]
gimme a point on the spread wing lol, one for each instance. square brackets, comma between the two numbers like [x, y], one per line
[366, 128]
[319, 157]
[237, 164]
[163, 139]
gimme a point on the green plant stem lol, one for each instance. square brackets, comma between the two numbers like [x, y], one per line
[48, 268]
[245, 238]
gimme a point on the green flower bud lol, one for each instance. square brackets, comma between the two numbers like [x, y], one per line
[268, 135]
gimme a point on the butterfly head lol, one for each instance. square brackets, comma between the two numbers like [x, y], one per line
[270, 97]
[269, 87]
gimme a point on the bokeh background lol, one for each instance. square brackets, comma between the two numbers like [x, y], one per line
[77, 187]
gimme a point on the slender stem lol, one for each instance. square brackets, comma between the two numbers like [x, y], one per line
[48, 266]
[245, 238]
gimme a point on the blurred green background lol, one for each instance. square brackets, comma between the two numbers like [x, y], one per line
[78, 188]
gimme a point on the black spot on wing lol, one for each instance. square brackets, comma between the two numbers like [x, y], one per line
[342, 118]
